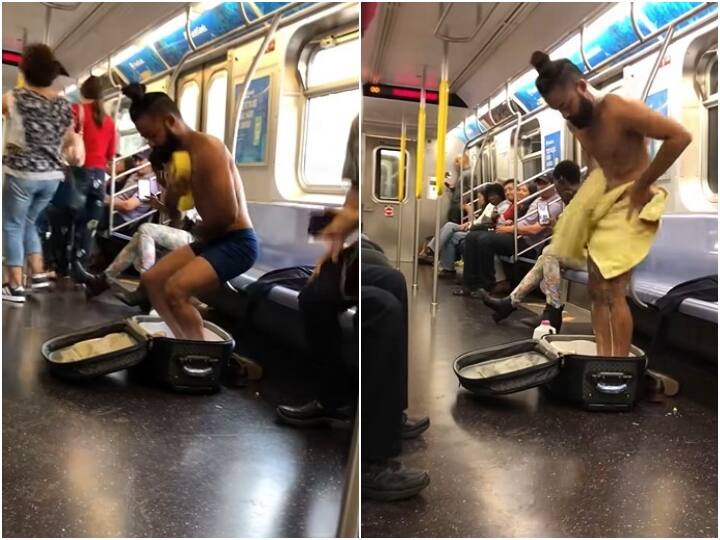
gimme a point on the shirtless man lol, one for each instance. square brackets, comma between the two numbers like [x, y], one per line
[613, 132]
[226, 245]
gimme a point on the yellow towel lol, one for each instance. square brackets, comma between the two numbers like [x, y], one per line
[595, 224]
[179, 172]
[92, 348]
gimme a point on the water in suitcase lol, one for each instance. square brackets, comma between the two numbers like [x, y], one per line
[564, 366]
[146, 346]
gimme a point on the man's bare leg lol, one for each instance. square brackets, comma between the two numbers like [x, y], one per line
[194, 278]
[156, 278]
[611, 318]
[620, 316]
[601, 299]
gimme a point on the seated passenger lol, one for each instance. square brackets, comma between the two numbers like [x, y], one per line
[546, 271]
[128, 204]
[227, 246]
[452, 234]
[141, 251]
[482, 246]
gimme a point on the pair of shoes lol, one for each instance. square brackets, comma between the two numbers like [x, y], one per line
[95, 284]
[412, 428]
[388, 480]
[40, 281]
[443, 273]
[554, 315]
[315, 414]
[17, 295]
[502, 307]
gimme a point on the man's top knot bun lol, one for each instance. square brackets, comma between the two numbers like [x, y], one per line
[539, 60]
[135, 91]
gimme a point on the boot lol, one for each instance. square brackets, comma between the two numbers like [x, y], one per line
[554, 315]
[502, 307]
[95, 284]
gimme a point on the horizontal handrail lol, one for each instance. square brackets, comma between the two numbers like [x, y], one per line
[535, 177]
[535, 211]
[141, 149]
[130, 222]
[538, 192]
[536, 244]
[130, 171]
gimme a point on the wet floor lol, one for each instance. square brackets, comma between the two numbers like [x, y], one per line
[524, 466]
[118, 458]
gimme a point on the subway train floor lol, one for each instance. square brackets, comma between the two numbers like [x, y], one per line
[116, 458]
[525, 466]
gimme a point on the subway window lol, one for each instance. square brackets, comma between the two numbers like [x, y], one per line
[216, 105]
[711, 105]
[189, 101]
[387, 172]
[530, 148]
[332, 97]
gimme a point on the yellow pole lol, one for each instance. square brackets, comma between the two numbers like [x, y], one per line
[440, 161]
[420, 157]
[402, 164]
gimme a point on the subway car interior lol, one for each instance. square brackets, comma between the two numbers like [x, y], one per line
[525, 464]
[278, 83]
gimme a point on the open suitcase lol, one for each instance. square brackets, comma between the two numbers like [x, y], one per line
[565, 366]
[141, 344]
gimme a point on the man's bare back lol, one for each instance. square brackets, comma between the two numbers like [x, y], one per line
[216, 186]
[621, 153]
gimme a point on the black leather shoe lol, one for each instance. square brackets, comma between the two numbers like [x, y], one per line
[95, 284]
[554, 315]
[389, 481]
[502, 307]
[413, 427]
[134, 298]
[315, 414]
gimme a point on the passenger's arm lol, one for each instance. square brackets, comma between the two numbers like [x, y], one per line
[127, 205]
[344, 223]
[636, 117]
[5, 107]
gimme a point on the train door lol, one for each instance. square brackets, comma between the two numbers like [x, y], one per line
[202, 99]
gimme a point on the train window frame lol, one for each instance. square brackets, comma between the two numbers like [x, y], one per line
[308, 53]
[530, 130]
[207, 103]
[709, 104]
[375, 195]
[198, 102]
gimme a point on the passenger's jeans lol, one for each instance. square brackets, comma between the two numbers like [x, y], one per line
[89, 217]
[384, 362]
[450, 238]
[23, 201]
[479, 256]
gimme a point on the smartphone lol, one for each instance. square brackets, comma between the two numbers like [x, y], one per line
[144, 191]
[318, 221]
[543, 213]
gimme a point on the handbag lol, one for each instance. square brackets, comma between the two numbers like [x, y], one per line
[73, 148]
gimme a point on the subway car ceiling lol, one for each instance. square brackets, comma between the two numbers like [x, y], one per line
[684, 84]
[284, 150]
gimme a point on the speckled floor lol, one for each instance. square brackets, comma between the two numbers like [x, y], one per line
[115, 458]
[525, 466]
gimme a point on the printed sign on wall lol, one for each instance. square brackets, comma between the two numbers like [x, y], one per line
[552, 150]
[252, 131]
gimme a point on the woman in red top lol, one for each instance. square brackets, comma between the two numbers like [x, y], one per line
[99, 135]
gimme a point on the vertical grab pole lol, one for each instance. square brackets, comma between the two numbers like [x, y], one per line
[516, 168]
[440, 160]
[419, 174]
[402, 165]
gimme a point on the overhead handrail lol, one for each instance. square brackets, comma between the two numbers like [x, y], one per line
[582, 48]
[479, 24]
[188, 34]
[270, 32]
[656, 65]
[419, 173]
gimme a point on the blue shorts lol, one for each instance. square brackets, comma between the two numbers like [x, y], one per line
[232, 254]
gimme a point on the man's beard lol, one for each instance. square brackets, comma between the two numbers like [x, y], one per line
[160, 155]
[584, 117]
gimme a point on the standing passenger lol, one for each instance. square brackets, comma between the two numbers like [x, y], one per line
[38, 120]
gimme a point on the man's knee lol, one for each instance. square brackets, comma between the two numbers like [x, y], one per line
[174, 291]
[152, 280]
[601, 292]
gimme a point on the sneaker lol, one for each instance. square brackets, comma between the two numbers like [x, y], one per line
[14, 294]
[314, 414]
[40, 281]
[413, 427]
[389, 481]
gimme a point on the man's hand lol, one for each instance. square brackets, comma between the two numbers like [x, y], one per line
[466, 226]
[504, 229]
[157, 204]
[639, 196]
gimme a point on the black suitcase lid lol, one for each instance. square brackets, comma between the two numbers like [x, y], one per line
[125, 358]
[519, 365]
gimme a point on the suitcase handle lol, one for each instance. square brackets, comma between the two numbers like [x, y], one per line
[611, 388]
[197, 372]
[606, 388]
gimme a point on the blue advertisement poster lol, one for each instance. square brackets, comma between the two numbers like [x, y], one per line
[143, 64]
[252, 131]
[173, 47]
[658, 102]
[552, 149]
[216, 22]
